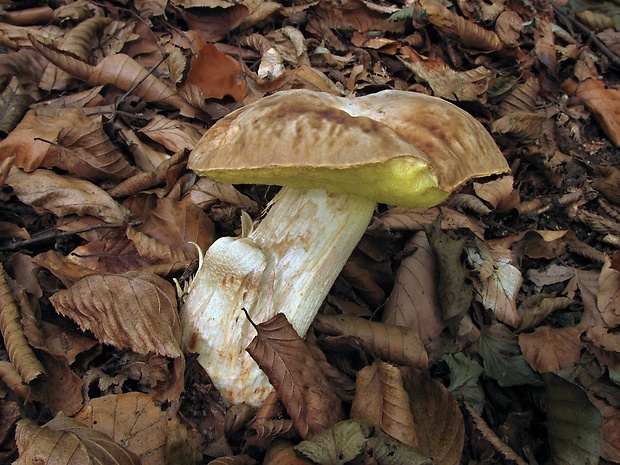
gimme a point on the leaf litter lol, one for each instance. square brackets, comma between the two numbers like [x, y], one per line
[480, 331]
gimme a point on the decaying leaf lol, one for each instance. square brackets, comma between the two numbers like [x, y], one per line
[45, 190]
[551, 349]
[309, 399]
[455, 294]
[350, 439]
[397, 344]
[437, 419]
[572, 423]
[20, 353]
[414, 302]
[603, 102]
[503, 359]
[381, 398]
[134, 311]
[217, 74]
[134, 420]
[120, 70]
[468, 33]
[67, 441]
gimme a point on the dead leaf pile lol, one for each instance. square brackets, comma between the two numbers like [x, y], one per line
[484, 330]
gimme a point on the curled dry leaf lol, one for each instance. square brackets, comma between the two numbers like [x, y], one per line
[63, 195]
[86, 151]
[468, 33]
[497, 281]
[437, 418]
[308, 397]
[128, 311]
[178, 226]
[459, 86]
[522, 98]
[20, 353]
[603, 102]
[550, 349]
[175, 135]
[523, 128]
[413, 302]
[573, 423]
[217, 74]
[77, 41]
[281, 452]
[148, 179]
[64, 440]
[608, 299]
[134, 420]
[119, 70]
[397, 344]
[32, 142]
[380, 397]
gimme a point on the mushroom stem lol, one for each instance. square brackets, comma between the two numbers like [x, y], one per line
[287, 264]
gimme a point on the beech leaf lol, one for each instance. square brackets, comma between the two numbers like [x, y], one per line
[393, 343]
[45, 190]
[414, 302]
[65, 441]
[380, 397]
[302, 387]
[438, 422]
[503, 359]
[128, 311]
[134, 420]
[20, 353]
[573, 423]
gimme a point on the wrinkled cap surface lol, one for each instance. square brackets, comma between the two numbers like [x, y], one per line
[395, 147]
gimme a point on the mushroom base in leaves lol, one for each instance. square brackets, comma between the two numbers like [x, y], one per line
[336, 157]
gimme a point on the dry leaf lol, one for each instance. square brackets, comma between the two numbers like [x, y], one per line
[413, 302]
[134, 420]
[438, 422]
[128, 311]
[64, 440]
[468, 33]
[396, 344]
[380, 397]
[603, 102]
[217, 74]
[63, 195]
[20, 353]
[303, 389]
[119, 70]
[550, 349]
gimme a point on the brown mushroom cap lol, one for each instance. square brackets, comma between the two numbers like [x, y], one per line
[395, 147]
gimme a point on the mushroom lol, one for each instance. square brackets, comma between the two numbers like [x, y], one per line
[336, 158]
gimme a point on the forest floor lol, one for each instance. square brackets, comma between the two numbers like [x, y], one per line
[510, 289]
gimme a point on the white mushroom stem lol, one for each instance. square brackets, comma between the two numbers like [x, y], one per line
[287, 264]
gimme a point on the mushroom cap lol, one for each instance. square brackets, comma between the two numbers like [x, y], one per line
[395, 147]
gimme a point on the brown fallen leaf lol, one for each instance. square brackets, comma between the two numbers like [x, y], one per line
[380, 397]
[20, 353]
[119, 70]
[471, 35]
[134, 420]
[77, 41]
[550, 349]
[217, 74]
[45, 190]
[413, 302]
[603, 102]
[66, 441]
[437, 418]
[396, 344]
[128, 311]
[308, 397]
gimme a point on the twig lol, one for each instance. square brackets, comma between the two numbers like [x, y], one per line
[55, 234]
[568, 18]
